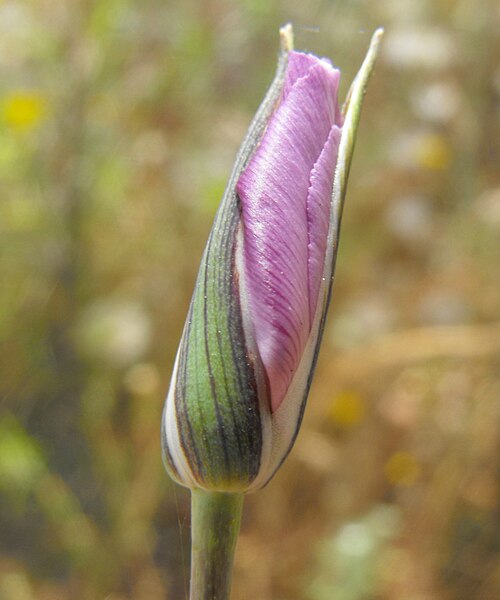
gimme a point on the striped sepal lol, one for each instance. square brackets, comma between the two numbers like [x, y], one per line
[216, 392]
[217, 441]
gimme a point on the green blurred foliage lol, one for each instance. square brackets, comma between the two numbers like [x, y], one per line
[119, 122]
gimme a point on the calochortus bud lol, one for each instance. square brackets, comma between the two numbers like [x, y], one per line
[251, 339]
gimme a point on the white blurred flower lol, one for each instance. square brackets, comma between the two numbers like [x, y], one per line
[15, 18]
[438, 102]
[419, 47]
[355, 539]
[410, 219]
[116, 331]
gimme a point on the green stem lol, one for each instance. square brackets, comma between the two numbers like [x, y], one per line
[215, 524]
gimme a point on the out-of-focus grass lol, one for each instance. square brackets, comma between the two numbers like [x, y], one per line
[119, 122]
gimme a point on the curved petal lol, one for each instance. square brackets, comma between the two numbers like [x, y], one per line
[318, 213]
[281, 210]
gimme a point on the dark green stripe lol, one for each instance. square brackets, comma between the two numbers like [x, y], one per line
[187, 438]
[213, 387]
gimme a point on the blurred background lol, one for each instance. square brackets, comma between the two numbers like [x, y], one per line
[119, 123]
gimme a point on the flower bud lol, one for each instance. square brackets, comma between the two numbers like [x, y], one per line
[251, 339]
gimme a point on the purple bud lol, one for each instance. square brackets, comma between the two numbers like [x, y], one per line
[251, 340]
[286, 193]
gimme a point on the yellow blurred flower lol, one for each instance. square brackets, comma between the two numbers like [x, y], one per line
[433, 152]
[402, 468]
[23, 110]
[347, 409]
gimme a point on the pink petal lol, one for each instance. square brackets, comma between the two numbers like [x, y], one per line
[318, 214]
[285, 193]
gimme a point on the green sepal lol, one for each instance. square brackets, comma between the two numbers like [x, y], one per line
[216, 388]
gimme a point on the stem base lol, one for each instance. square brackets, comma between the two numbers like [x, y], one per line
[215, 524]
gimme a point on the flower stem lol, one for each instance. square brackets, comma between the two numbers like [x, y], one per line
[215, 524]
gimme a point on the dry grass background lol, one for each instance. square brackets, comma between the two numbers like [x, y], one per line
[119, 123]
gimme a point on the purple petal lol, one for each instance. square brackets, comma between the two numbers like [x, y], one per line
[318, 214]
[285, 193]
